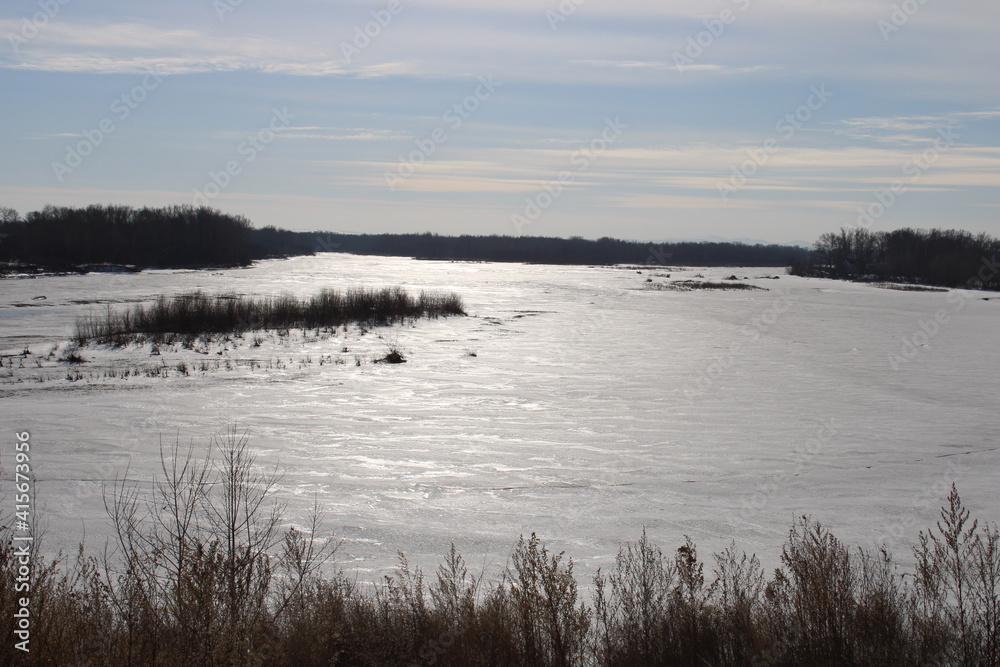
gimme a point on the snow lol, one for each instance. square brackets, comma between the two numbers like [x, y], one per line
[592, 409]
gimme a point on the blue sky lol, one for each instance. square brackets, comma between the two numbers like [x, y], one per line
[762, 119]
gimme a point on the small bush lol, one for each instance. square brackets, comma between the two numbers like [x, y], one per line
[72, 357]
[394, 356]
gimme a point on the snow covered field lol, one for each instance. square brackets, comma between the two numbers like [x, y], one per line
[593, 407]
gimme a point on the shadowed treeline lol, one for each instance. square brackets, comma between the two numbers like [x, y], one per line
[177, 236]
[576, 250]
[200, 572]
[947, 258]
[184, 236]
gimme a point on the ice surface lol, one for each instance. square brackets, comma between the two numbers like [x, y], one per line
[593, 408]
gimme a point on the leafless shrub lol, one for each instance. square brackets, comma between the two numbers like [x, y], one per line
[201, 572]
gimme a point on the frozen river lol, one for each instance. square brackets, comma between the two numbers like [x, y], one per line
[593, 407]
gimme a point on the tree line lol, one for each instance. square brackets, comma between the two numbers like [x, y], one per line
[65, 238]
[172, 237]
[947, 258]
[554, 250]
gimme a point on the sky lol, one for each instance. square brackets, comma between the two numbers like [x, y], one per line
[772, 120]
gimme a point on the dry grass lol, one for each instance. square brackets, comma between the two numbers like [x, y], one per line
[202, 574]
[198, 314]
[691, 285]
[906, 287]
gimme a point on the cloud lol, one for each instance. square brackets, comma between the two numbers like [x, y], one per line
[621, 43]
[342, 134]
[685, 176]
[101, 48]
[911, 129]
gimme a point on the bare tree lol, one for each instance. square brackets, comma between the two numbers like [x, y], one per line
[200, 556]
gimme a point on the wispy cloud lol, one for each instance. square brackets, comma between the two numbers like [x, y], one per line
[125, 48]
[343, 134]
[920, 129]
